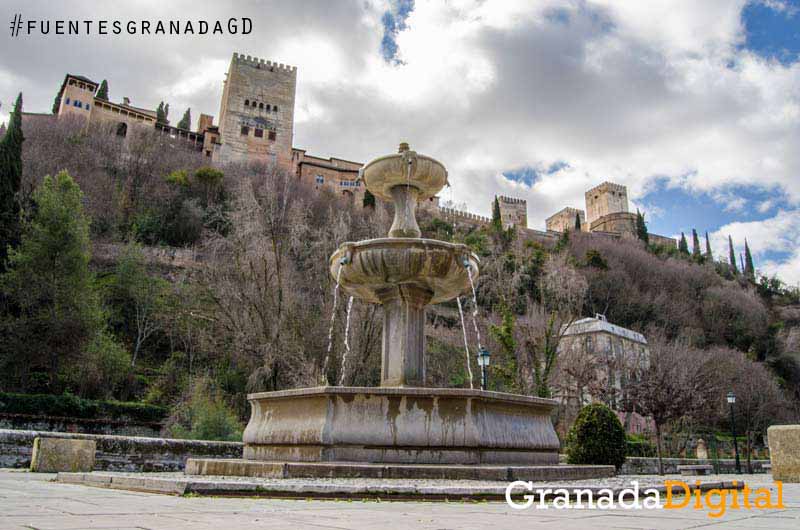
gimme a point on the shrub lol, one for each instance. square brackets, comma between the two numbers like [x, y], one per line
[638, 445]
[204, 415]
[71, 406]
[596, 437]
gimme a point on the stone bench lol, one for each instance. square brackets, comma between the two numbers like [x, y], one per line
[51, 455]
[696, 469]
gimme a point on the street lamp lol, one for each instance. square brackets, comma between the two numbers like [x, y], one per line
[483, 362]
[732, 402]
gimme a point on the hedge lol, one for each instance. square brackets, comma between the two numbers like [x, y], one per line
[71, 406]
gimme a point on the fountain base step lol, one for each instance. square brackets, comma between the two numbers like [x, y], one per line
[400, 425]
[261, 469]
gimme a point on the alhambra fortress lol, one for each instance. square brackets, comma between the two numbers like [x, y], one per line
[256, 123]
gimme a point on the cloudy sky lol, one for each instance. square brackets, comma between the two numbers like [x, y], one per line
[694, 105]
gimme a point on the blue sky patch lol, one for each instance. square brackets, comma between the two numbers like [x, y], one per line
[529, 175]
[773, 29]
[394, 21]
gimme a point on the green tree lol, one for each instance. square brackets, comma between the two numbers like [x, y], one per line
[596, 438]
[186, 121]
[506, 369]
[732, 256]
[48, 279]
[102, 92]
[749, 269]
[139, 298]
[162, 113]
[369, 199]
[696, 254]
[56, 103]
[641, 227]
[683, 246]
[577, 222]
[497, 221]
[10, 179]
[709, 255]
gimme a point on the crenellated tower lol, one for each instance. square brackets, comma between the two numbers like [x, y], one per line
[256, 121]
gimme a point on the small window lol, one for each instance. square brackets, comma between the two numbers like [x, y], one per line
[274, 108]
[78, 104]
[320, 179]
[254, 104]
[245, 130]
[208, 152]
[87, 106]
[122, 130]
[272, 135]
[261, 106]
[247, 103]
[67, 101]
[259, 133]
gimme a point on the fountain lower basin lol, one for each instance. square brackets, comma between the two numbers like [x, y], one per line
[400, 425]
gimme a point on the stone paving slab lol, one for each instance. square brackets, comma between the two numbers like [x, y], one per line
[30, 500]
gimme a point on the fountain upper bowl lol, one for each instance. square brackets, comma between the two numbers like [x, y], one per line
[370, 267]
[409, 168]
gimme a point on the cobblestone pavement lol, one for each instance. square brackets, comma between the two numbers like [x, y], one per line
[33, 501]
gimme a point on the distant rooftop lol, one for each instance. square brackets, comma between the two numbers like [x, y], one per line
[599, 323]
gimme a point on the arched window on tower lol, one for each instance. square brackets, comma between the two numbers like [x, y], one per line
[122, 129]
[247, 103]
[260, 106]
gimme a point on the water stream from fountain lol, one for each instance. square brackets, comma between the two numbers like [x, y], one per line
[346, 341]
[333, 320]
[466, 346]
[474, 307]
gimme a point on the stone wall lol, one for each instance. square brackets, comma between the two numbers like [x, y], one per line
[649, 466]
[28, 422]
[119, 453]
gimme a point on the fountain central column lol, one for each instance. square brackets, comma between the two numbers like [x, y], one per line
[403, 350]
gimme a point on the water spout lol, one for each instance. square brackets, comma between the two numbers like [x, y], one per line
[346, 341]
[474, 307]
[342, 263]
[466, 346]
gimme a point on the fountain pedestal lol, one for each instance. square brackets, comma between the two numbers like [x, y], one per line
[403, 355]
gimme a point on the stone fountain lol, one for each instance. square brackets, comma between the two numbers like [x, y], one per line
[401, 422]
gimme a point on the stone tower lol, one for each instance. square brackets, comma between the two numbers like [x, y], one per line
[513, 211]
[256, 121]
[607, 198]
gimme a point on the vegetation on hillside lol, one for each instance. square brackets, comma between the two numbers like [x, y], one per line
[254, 314]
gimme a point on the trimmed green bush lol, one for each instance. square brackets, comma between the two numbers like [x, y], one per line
[597, 437]
[638, 445]
[70, 406]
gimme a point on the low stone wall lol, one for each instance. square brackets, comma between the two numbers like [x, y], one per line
[27, 422]
[649, 466]
[119, 453]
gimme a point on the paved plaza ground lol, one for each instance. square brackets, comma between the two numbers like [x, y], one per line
[34, 501]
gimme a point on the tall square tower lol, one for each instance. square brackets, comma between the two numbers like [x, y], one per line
[605, 199]
[513, 211]
[256, 121]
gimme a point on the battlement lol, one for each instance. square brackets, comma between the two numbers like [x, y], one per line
[511, 200]
[607, 186]
[261, 63]
[460, 214]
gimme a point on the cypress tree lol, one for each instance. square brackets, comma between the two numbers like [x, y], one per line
[749, 269]
[369, 199]
[641, 227]
[162, 112]
[683, 246]
[497, 222]
[732, 256]
[696, 255]
[709, 256]
[102, 92]
[57, 102]
[10, 178]
[186, 121]
[577, 222]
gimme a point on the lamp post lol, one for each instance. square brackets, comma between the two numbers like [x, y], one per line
[483, 362]
[732, 402]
